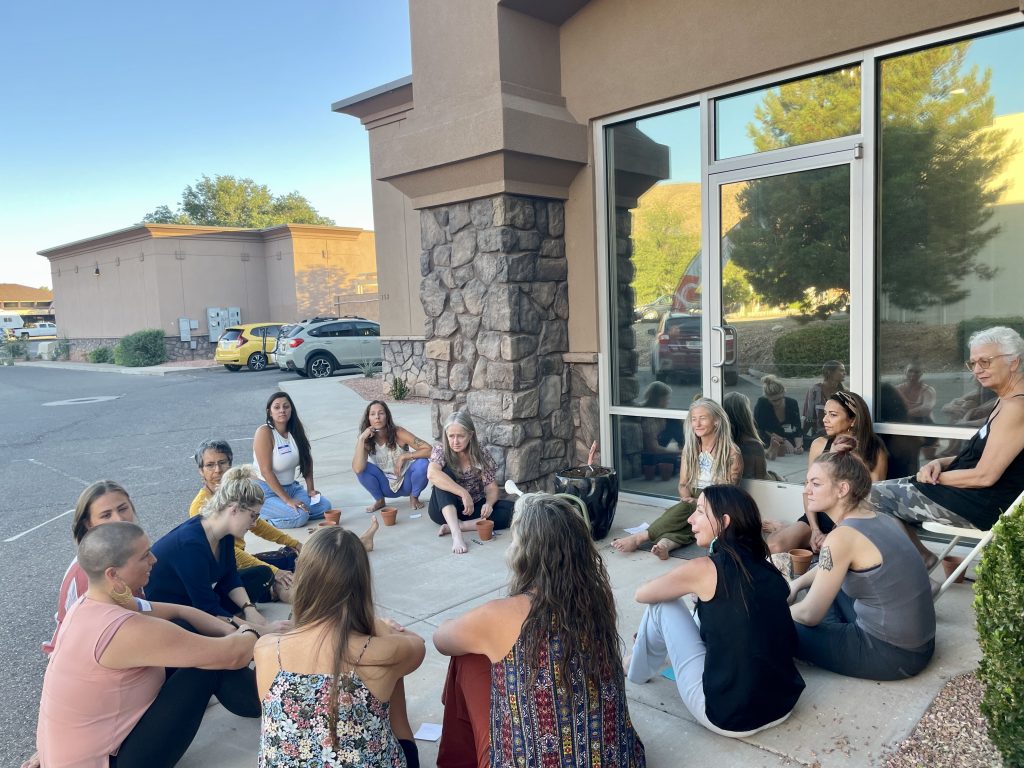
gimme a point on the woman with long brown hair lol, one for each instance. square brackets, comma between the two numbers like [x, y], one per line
[332, 688]
[389, 460]
[552, 640]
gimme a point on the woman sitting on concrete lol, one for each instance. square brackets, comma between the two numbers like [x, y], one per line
[709, 456]
[845, 414]
[389, 461]
[332, 688]
[744, 435]
[658, 433]
[869, 612]
[465, 490]
[279, 447]
[196, 561]
[536, 675]
[734, 665]
[107, 691]
[778, 419]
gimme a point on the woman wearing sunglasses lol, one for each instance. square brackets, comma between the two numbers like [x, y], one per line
[977, 485]
[845, 413]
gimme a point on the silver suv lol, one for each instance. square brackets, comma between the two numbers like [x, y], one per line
[319, 347]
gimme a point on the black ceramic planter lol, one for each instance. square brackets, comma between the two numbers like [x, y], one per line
[598, 488]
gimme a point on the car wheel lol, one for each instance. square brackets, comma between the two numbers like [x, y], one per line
[320, 367]
[26, 336]
[257, 361]
[301, 372]
[233, 368]
[661, 375]
[731, 378]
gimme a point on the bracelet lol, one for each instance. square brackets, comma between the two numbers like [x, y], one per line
[249, 629]
[249, 605]
[231, 620]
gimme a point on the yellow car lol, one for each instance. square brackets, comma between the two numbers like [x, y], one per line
[251, 344]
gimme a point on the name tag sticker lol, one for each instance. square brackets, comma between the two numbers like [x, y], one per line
[284, 449]
[983, 431]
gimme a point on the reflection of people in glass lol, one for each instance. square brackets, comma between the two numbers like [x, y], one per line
[903, 449]
[832, 374]
[845, 414]
[920, 400]
[709, 456]
[744, 434]
[658, 435]
[778, 419]
[973, 488]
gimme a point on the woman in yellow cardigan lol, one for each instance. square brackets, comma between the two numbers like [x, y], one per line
[266, 576]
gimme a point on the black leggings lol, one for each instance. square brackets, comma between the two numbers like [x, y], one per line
[439, 499]
[165, 731]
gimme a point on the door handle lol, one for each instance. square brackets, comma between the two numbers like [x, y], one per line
[720, 331]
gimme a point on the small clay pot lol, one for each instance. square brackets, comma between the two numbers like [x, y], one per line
[649, 470]
[389, 515]
[332, 516]
[325, 524]
[801, 560]
[666, 470]
[485, 529]
[949, 564]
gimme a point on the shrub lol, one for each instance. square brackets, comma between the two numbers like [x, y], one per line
[62, 349]
[399, 389]
[101, 355]
[369, 368]
[141, 348]
[965, 328]
[999, 606]
[802, 352]
[16, 347]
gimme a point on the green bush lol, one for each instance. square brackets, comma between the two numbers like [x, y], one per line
[141, 348]
[62, 349]
[999, 607]
[16, 347]
[399, 389]
[802, 352]
[965, 328]
[101, 355]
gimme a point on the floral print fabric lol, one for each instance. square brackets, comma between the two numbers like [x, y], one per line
[295, 730]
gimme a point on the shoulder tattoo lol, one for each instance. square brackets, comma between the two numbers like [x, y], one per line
[825, 559]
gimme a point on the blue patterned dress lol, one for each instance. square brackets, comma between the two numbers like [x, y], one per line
[295, 731]
[547, 726]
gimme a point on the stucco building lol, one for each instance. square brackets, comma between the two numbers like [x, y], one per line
[853, 169]
[155, 275]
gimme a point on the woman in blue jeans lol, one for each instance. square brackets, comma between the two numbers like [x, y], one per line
[279, 447]
[389, 461]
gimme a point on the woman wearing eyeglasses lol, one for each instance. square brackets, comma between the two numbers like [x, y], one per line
[845, 413]
[974, 487]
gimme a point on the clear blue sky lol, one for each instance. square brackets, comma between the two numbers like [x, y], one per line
[110, 109]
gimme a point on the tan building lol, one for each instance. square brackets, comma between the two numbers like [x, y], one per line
[31, 303]
[857, 181]
[156, 275]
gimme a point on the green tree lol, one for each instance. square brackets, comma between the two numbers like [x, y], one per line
[225, 201]
[938, 155]
[663, 246]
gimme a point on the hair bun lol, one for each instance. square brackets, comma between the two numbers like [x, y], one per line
[844, 444]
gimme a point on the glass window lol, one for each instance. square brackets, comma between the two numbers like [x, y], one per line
[825, 106]
[950, 224]
[647, 454]
[655, 280]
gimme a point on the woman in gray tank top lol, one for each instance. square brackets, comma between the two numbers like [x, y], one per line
[869, 611]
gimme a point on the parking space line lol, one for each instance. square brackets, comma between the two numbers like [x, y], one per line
[35, 527]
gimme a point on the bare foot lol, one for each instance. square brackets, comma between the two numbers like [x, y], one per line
[662, 548]
[458, 545]
[415, 502]
[369, 533]
[628, 544]
[444, 530]
[378, 504]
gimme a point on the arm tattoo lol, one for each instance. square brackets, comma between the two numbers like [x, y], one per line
[825, 559]
[417, 443]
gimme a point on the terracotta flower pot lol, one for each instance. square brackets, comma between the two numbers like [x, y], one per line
[801, 560]
[950, 564]
[324, 524]
[332, 516]
[389, 515]
[485, 529]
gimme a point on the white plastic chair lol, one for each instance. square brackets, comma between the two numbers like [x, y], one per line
[957, 533]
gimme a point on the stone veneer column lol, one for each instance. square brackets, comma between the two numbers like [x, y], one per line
[496, 298]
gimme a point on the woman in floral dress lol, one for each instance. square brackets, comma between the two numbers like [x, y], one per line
[332, 688]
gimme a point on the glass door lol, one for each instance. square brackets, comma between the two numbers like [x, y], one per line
[777, 335]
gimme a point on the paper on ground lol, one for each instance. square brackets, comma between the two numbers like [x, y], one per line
[428, 732]
[638, 529]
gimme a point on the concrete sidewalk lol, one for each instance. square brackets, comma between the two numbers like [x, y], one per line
[147, 370]
[838, 721]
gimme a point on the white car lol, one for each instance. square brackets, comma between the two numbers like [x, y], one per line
[319, 347]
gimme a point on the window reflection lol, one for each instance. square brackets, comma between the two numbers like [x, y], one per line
[648, 452]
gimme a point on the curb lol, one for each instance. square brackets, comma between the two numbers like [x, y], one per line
[111, 368]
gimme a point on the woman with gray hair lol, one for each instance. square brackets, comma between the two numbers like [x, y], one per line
[107, 691]
[974, 487]
[196, 561]
[463, 476]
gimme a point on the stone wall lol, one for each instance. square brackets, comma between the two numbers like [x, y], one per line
[496, 299]
[176, 349]
[402, 358]
[586, 414]
[625, 336]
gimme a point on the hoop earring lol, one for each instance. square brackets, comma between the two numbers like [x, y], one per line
[123, 596]
[711, 546]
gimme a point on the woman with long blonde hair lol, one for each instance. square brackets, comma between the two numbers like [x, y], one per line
[334, 684]
[709, 456]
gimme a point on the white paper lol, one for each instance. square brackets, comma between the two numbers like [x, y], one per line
[428, 732]
[418, 514]
[639, 529]
[314, 499]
